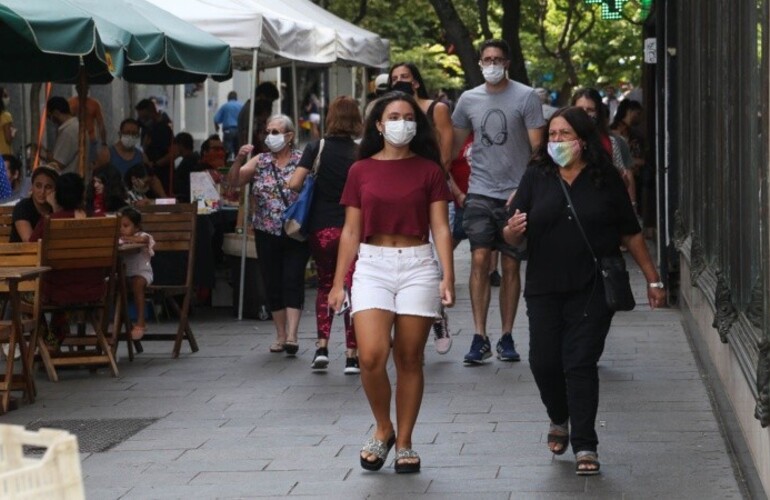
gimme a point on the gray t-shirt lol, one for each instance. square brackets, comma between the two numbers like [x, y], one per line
[500, 124]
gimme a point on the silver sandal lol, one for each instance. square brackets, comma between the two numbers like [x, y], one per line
[379, 449]
[407, 467]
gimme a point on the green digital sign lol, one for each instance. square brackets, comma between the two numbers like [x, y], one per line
[611, 9]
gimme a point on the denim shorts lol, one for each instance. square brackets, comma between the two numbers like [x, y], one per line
[401, 280]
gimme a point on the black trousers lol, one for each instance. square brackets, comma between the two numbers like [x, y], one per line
[566, 340]
[282, 261]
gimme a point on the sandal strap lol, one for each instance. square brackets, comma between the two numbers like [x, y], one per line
[406, 453]
[587, 456]
[375, 447]
[559, 428]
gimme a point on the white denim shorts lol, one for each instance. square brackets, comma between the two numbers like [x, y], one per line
[401, 280]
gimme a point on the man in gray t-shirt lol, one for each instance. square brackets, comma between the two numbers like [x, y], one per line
[506, 119]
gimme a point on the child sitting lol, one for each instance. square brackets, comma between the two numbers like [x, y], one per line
[138, 268]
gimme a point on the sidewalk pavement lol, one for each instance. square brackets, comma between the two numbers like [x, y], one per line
[235, 421]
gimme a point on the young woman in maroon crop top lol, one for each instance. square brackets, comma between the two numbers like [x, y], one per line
[394, 196]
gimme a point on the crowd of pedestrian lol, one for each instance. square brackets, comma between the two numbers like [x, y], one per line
[395, 193]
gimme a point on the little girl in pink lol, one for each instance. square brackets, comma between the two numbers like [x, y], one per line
[138, 268]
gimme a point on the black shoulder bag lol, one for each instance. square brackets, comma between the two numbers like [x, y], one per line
[617, 286]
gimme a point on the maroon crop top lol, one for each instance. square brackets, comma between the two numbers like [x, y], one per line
[395, 195]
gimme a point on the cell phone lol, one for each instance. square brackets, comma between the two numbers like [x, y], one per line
[345, 303]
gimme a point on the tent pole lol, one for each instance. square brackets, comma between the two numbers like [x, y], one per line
[246, 194]
[82, 89]
[294, 96]
[206, 110]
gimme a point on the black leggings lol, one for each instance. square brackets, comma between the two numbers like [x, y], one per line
[566, 340]
[282, 261]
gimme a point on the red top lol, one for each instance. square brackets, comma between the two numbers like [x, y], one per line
[395, 195]
[460, 168]
[606, 143]
[69, 286]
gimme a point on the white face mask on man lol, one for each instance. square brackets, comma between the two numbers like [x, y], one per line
[494, 73]
[129, 141]
[399, 132]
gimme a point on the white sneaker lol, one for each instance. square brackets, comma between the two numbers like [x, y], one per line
[442, 339]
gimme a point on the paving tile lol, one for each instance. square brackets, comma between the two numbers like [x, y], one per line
[235, 421]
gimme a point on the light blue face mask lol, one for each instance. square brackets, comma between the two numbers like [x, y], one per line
[563, 153]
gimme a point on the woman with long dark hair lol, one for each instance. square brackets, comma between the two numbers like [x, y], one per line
[394, 196]
[568, 315]
[327, 216]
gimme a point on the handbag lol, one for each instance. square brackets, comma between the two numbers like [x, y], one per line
[296, 215]
[617, 285]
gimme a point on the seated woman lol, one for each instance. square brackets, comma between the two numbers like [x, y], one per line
[138, 183]
[28, 212]
[106, 193]
[68, 286]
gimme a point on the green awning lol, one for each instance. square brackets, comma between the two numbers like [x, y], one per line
[46, 40]
[178, 52]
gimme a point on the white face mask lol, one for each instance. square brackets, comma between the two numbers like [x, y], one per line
[399, 132]
[6, 101]
[177, 162]
[129, 141]
[493, 73]
[275, 142]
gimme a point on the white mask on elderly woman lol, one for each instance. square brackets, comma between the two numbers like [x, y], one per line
[275, 142]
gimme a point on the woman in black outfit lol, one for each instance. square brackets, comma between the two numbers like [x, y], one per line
[327, 216]
[568, 316]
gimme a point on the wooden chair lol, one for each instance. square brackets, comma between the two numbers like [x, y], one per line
[173, 229]
[13, 255]
[6, 223]
[80, 252]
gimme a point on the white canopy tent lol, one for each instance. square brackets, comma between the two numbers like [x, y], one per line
[272, 34]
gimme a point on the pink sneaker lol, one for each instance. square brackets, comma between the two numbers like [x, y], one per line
[442, 339]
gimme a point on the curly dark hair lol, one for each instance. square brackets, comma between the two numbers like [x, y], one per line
[424, 142]
[598, 161]
[114, 191]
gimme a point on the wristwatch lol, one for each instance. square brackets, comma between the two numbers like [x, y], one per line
[656, 284]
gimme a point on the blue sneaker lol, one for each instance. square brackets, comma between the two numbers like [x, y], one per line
[506, 349]
[481, 349]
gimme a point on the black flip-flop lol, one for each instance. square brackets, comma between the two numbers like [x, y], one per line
[291, 348]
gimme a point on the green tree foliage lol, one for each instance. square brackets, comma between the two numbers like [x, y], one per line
[609, 53]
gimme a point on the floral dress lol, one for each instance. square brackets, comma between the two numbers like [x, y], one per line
[268, 182]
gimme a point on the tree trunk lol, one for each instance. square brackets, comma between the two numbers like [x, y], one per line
[458, 35]
[511, 23]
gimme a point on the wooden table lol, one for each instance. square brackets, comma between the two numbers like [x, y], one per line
[23, 381]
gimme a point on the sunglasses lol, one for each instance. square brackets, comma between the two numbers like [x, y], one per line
[274, 131]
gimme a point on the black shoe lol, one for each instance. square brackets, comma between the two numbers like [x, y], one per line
[351, 366]
[321, 359]
[495, 278]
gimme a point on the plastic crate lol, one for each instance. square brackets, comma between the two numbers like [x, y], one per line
[55, 475]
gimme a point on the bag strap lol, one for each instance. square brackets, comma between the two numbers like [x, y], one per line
[577, 219]
[317, 161]
[279, 185]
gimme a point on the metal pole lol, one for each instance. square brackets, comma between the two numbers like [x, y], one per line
[295, 103]
[246, 188]
[206, 111]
